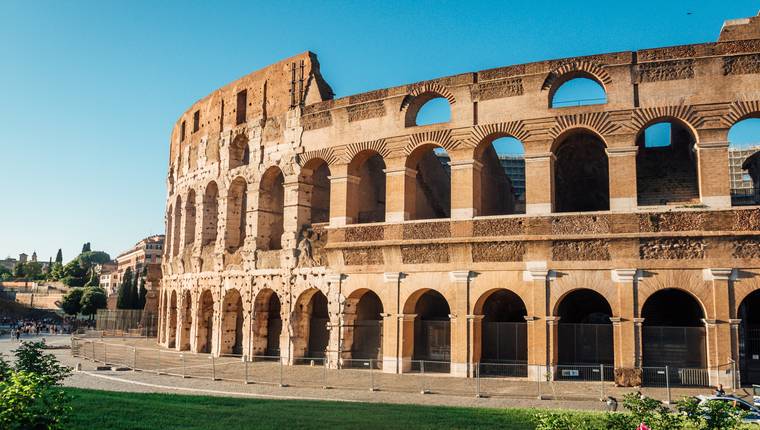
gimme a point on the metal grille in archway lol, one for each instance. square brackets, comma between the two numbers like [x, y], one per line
[674, 346]
[749, 353]
[367, 339]
[585, 344]
[505, 342]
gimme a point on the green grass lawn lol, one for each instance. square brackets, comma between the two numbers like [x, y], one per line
[115, 410]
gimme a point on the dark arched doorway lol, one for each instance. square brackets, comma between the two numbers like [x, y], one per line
[367, 339]
[581, 176]
[504, 339]
[749, 339]
[432, 333]
[584, 336]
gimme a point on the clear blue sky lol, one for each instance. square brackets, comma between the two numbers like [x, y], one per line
[89, 90]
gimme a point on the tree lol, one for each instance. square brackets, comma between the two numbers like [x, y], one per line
[134, 293]
[18, 270]
[59, 257]
[93, 298]
[33, 270]
[71, 303]
[73, 274]
[91, 258]
[86, 247]
[56, 273]
[123, 300]
[142, 292]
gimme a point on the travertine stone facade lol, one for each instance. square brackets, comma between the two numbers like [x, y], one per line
[294, 218]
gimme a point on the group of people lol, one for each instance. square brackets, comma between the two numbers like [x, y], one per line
[33, 327]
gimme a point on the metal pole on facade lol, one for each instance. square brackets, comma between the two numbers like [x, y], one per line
[245, 363]
[601, 381]
[667, 382]
[477, 380]
[134, 358]
[158, 368]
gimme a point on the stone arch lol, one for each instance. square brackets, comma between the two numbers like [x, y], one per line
[177, 226]
[430, 333]
[669, 173]
[581, 172]
[673, 333]
[576, 69]
[497, 190]
[210, 220]
[232, 323]
[316, 174]
[749, 338]
[190, 219]
[503, 335]
[420, 96]
[267, 324]
[365, 199]
[584, 333]
[309, 322]
[744, 158]
[239, 151]
[204, 335]
[172, 326]
[363, 327]
[431, 192]
[271, 208]
[183, 334]
[237, 207]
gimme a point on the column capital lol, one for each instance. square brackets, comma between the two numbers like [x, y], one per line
[338, 179]
[622, 151]
[464, 164]
[709, 322]
[624, 275]
[718, 144]
[552, 320]
[536, 271]
[392, 276]
[334, 277]
[718, 274]
[638, 321]
[735, 322]
[406, 317]
[530, 318]
[460, 276]
[541, 156]
[616, 320]
[475, 317]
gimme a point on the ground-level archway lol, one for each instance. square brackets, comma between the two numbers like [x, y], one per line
[267, 325]
[363, 329]
[171, 333]
[749, 339]
[674, 335]
[432, 333]
[183, 339]
[504, 337]
[584, 336]
[232, 324]
[205, 323]
[310, 326]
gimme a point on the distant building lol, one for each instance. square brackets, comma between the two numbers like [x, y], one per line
[514, 167]
[144, 256]
[105, 273]
[742, 187]
[9, 263]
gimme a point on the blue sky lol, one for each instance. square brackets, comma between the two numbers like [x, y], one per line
[89, 90]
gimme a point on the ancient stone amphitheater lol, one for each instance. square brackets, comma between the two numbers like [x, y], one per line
[303, 226]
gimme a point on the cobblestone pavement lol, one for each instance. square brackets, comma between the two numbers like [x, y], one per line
[307, 381]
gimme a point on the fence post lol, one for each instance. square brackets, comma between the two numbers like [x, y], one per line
[93, 351]
[158, 368]
[324, 374]
[281, 382]
[134, 359]
[477, 380]
[667, 382]
[213, 368]
[538, 380]
[245, 363]
[371, 377]
[734, 376]
[182, 360]
[422, 377]
[105, 353]
[601, 381]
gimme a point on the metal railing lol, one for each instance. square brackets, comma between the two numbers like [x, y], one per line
[579, 102]
[518, 380]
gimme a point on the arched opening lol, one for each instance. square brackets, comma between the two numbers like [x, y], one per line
[310, 321]
[584, 336]
[674, 335]
[426, 109]
[237, 204]
[232, 324]
[172, 331]
[267, 324]
[749, 339]
[581, 176]
[210, 214]
[504, 335]
[666, 164]
[366, 199]
[205, 327]
[432, 183]
[502, 176]
[744, 161]
[187, 322]
[577, 90]
[271, 208]
[239, 152]
[432, 333]
[190, 219]
[164, 320]
[367, 339]
[316, 173]
[177, 227]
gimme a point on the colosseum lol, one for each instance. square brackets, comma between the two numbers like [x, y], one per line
[305, 226]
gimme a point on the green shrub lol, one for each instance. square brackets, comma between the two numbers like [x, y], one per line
[30, 358]
[27, 401]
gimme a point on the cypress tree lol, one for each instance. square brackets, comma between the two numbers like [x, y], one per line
[142, 293]
[59, 257]
[123, 300]
[134, 296]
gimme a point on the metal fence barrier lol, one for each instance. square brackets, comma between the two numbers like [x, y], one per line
[517, 380]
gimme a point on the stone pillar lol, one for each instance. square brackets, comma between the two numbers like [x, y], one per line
[343, 204]
[622, 178]
[538, 333]
[623, 324]
[465, 188]
[552, 327]
[539, 183]
[719, 345]
[195, 298]
[392, 326]
[638, 332]
[292, 214]
[216, 321]
[476, 339]
[335, 323]
[400, 190]
[461, 343]
[406, 326]
[735, 322]
[712, 166]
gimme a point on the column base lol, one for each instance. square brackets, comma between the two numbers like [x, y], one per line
[459, 369]
[538, 208]
[390, 364]
[623, 204]
[717, 202]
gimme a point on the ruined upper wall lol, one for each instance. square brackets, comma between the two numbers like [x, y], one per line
[271, 92]
[740, 29]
